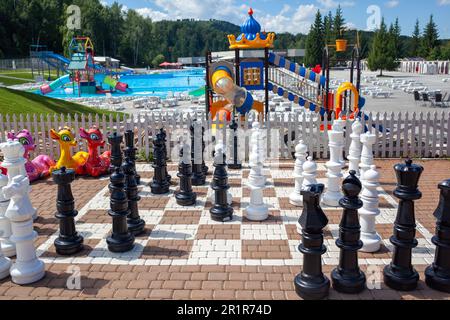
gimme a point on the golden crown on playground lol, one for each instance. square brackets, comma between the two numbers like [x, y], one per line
[257, 43]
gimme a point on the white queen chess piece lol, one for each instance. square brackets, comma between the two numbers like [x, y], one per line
[334, 167]
[14, 162]
[370, 210]
[7, 246]
[27, 268]
[295, 198]
[355, 147]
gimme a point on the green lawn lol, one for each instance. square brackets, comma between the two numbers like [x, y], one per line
[10, 78]
[21, 102]
[11, 82]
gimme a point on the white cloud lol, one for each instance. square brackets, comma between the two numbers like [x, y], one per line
[392, 3]
[299, 22]
[331, 4]
[153, 14]
[350, 26]
[444, 2]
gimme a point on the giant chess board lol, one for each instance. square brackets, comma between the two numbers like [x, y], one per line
[176, 235]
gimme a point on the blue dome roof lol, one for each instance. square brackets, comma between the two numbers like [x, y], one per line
[250, 28]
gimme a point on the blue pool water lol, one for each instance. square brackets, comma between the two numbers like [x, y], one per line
[148, 85]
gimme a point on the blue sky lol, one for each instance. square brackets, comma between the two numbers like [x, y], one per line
[296, 16]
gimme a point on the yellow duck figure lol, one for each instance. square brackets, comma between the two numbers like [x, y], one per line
[67, 141]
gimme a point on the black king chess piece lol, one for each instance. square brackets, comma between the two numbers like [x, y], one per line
[130, 152]
[135, 224]
[164, 137]
[347, 277]
[68, 241]
[400, 274]
[198, 171]
[311, 283]
[437, 276]
[120, 240]
[159, 184]
[185, 197]
[221, 210]
[234, 164]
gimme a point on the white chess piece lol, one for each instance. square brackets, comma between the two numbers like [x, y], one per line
[257, 210]
[309, 178]
[295, 198]
[368, 139]
[334, 167]
[14, 162]
[27, 268]
[339, 126]
[355, 147]
[368, 213]
[7, 246]
[256, 177]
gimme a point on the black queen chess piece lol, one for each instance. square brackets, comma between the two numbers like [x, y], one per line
[69, 241]
[347, 277]
[221, 210]
[159, 184]
[197, 147]
[400, 274]
[120, 240]
[437, 276]
[311, 283]
[185, 196]
[130, 152]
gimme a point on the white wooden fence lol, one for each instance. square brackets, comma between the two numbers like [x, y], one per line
[421, 135]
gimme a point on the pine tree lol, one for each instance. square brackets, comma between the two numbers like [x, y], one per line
[339, 23]
[396, 38]
[315, 42]
[430, 39]
[415, 40]
[328, 22]
[381, 56]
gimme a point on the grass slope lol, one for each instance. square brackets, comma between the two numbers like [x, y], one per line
[20, 102]
[10, 78]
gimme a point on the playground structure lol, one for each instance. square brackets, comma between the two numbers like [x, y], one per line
[232, 82]
[84, 75]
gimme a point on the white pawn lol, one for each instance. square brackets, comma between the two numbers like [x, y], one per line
[368, 213]
[355, 147]
[27, 268]
[295, 198]
[368, 139]
[14, 162]
[256, 177]
[310, 177]
[257, 210]
[6, 245]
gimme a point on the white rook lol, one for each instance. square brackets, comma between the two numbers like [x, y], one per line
[295, 198]
[354, 153]
[7, 246]
[370, 210]
[334, 167]
[368, 139]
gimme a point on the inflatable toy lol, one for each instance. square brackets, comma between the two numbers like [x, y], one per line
[67, 141]
[96, 165]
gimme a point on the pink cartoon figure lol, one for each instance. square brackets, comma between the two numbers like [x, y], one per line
[38, 167]
[96, 164]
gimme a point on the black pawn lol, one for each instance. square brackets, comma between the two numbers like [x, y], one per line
[159, 184]
[311, 283]
[198, 173]
[400, 274]
[347, 277]
[234, 164]
[164, 138]
[130, 152]
[120, 240]
[135, 224]
[68, 241]
[185, 197]
[437, 276]
[221, 211]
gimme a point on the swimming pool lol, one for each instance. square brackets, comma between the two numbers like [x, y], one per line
[158, 84]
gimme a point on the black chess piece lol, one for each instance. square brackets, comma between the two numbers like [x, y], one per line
[135, 224]
[185, 197]
[198, 173]
[164, 137]
[400, 274]
[120, 240]
[159, 184]
[69, 241]
[311, 283]
[347, 277]
[437, 276]
[130, 152]
[234, 164]
[221, 211]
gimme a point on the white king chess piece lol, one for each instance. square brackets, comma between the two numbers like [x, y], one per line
[334, 167]
[295, 198]
[27, 268]
[368, 213]
[14, 162]
[355, 149]
[7, 246]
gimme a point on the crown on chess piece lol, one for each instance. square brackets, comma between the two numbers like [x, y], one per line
[408, 175]
[13, 152]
